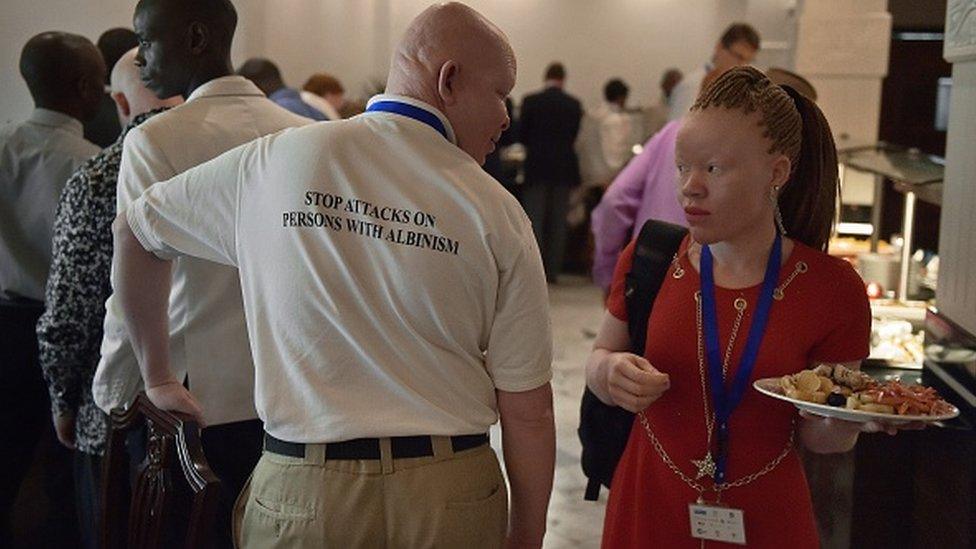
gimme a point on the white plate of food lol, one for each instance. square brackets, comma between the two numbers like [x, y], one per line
[842, 393]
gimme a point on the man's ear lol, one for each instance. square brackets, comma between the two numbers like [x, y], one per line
[122, 103]
[198, 36]
[447, 81]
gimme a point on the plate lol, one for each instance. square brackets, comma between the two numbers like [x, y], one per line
[770, 387]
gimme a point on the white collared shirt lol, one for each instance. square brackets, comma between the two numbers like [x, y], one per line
[399, 309]
[208, 337]
[36, 159]
[684, 94]
[616, 135]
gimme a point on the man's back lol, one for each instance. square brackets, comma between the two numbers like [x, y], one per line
[550, 121]
[208, 337]
[36, 159]
[385, 281]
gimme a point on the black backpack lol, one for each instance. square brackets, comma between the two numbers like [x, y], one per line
[604, 429]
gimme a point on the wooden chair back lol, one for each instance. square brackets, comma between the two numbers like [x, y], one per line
[169, 499]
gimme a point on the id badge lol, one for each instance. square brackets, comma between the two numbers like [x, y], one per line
[715, 523]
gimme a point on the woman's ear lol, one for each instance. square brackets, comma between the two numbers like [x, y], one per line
[447, 81]
[781, 171]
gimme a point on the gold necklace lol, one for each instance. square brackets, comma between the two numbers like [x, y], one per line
[706, 466]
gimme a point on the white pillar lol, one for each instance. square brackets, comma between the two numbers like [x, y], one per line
[842, 48]
[956, 294]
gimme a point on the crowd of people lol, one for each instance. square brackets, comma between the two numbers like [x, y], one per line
[347, 304]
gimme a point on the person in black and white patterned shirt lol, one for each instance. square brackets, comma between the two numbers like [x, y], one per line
[70, 330]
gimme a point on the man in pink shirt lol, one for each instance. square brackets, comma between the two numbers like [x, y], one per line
[645, 189]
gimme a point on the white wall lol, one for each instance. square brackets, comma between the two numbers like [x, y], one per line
[596, 39]
[599, 39]
[22, 19]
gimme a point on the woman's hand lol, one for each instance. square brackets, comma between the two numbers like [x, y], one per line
[828, 435]
[633, 384]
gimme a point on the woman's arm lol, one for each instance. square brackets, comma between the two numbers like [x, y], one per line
[620, 378]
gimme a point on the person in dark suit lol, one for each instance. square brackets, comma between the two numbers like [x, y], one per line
[504, 173]
[550, 121]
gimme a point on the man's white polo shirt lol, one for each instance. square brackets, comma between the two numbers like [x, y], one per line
[390, 285]
[208, 336]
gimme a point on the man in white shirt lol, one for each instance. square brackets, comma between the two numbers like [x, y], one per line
[185, 50]
[396, 307]
[64, 73]
[616, 125]
[738, 46]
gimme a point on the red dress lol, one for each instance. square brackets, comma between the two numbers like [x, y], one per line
[824, 316]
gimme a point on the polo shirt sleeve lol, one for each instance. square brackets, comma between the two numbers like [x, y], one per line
[194, 213]
[519, 353]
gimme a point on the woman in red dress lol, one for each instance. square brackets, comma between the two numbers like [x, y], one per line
[758, 180]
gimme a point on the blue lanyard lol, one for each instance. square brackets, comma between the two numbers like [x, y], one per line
[726, 399]
[410, 111]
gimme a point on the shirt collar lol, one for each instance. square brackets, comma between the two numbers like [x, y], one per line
[232, 85]
[420, 105]
[139, 119]
[55, 119]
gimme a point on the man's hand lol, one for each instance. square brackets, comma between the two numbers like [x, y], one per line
[172, 396]
[64, 426]
[632, 382]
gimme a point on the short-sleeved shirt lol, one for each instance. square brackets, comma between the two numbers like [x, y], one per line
[207, 334]
[36, 159]
[390, 285]
[824, 316]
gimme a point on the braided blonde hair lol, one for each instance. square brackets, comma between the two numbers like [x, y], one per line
[796, 128]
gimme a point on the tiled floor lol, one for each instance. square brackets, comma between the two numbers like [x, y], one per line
[577, 310]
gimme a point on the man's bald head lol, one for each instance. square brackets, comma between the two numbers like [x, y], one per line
[263, 73]
[183, 43]
[454, 59]
[64, 72]
[131, 96]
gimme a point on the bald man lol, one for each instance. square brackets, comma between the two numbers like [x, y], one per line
[396, 306]
[104, 128]
[64, 74]
[185, 50]
[70, 330]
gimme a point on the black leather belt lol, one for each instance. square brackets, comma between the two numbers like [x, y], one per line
[369, 448]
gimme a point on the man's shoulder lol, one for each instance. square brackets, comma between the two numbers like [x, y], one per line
[532, 97]
[271, 110]
[161, 123]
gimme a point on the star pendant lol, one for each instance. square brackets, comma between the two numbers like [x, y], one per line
[706, 466]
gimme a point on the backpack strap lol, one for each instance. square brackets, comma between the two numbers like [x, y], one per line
[657, 243]
[604, 429]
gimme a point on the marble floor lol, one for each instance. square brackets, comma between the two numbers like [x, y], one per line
[577, 309]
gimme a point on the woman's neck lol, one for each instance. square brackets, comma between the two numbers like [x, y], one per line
[740, 262]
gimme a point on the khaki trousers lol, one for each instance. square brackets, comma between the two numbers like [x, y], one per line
[448, 500]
